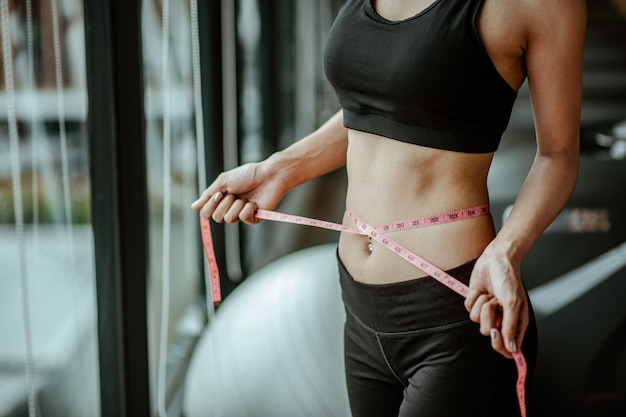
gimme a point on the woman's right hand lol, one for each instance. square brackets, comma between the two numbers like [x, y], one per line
[236, 194]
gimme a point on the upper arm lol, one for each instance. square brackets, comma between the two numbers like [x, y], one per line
[554, 54]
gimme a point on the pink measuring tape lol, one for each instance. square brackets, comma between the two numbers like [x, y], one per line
[378, 234]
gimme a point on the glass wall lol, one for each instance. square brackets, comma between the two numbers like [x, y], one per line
[299, 101]
[48, 328]
[175, 308]
[283, 82]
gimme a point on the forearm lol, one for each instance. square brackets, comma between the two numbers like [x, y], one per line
[545, 192]
[320, 152]
[555, 84]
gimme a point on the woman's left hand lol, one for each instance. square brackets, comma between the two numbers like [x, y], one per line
[498, 301]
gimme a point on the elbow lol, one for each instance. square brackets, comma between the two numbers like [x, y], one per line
[562, 165]
[565, 153]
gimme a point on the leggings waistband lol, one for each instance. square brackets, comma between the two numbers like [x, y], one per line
[406, 305]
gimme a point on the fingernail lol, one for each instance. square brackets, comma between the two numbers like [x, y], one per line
[512, 346]
[494, 334]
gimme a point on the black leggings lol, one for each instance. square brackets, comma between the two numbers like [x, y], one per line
[411, 351]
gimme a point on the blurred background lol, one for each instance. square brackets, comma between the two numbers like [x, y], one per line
[114, 114]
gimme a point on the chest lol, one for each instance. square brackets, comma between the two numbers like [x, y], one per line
[499, 23]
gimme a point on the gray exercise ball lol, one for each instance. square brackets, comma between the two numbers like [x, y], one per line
[275, 347]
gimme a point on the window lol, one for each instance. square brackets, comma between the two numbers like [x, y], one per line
[48, 326]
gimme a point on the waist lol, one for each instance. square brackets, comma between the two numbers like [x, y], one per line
[390, 180]
[445, 245]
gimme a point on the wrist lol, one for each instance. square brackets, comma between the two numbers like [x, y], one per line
[283, 169]
[511, 249]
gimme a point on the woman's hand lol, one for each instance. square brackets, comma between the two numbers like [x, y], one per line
[236, 194]
[498, 300]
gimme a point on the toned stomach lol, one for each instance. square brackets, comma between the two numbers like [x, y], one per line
[390, 180]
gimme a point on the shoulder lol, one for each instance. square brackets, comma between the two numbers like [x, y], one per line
[556, 31]
[550, 19]
[544, 31]
[529, 20]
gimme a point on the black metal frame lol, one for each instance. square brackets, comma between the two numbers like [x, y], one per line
[116, 126]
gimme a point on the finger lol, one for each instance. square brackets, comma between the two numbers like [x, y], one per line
[232, 215]
[497, 343]
[523, 325]
[201, 201]
[247, 214]
[209, 207]
[510, 321]
[489, 317]
[477, 307]
[223, 207]
[204, 198]
[471, 299]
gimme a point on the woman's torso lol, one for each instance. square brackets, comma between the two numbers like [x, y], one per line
[391, 180]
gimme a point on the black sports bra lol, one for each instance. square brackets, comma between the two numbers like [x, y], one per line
[426, 80]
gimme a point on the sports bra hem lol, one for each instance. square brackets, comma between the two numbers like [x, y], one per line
[465, 141]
